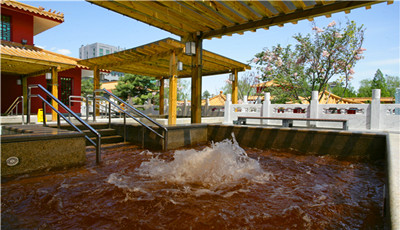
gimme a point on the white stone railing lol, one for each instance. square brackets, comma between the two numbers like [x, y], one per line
[374, 116]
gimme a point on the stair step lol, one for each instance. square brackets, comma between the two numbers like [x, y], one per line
[103, 132]
[107, 140]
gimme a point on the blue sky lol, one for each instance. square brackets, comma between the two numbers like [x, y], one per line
[86, 24]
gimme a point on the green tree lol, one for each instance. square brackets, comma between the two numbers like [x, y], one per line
[206, 94]
[140, 88]
[329, 52]
[245, 83]
[365, 89]
[87, 87]
[379, 82]
[340, 90]
[392, 82]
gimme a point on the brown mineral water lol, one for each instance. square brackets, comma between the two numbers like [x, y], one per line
[220, 186]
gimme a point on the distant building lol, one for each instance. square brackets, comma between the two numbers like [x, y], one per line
[97, 50]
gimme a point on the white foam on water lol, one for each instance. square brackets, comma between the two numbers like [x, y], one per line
[215, 170]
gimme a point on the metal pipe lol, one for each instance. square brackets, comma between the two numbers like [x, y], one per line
[44, 114]
[87, 108]
[28, 116]
[94, 106]
[124, 127]
[109, 115]
[23, 110]
[98, 157]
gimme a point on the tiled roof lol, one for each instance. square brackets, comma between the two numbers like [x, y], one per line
[27, 60]
[39, 11]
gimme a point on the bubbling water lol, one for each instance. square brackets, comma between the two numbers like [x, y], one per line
[224, 168]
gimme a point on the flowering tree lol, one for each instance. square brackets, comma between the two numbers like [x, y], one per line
[245, 83]
[316, 58]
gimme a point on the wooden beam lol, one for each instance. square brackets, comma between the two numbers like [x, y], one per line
[316, 11]
[235, 84]
[197, 72]
[161, 97]
[173, 87]
[96, 85]
[54, 91]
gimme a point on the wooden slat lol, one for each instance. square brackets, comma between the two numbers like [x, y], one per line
[240, 8]
[183, 9]
[168, 16]
[129, 12]
[225, 11]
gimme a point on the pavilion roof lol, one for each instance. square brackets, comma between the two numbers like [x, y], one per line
[154, 60]
[43, 19]
[208, 19]
[32, 61]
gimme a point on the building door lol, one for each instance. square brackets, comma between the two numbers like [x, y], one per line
[65, 89]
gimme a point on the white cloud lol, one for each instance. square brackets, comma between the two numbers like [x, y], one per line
[392, 61]
[64, 51]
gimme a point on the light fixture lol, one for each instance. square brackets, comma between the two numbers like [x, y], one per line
[180, 66]
[24, 41]
[231, 77]
[48, 76]
[190, 48]
[19, 82]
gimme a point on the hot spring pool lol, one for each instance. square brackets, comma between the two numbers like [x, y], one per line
[220, 186]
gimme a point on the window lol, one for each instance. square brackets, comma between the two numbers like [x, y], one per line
[107, 51]
[94, 52]
[101, 52]
[65, 89]
[5, 28]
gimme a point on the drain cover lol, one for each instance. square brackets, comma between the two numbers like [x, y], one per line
[12, 161]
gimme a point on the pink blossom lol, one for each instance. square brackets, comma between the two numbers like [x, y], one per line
[357, 57]
[318, 30]
[279, 63]
[325, 53]
[338, 35]
[361, 50]
[228, 81]
[351, 71]
[255, 60]
[268, 68]
[295, 74]
[333, 23]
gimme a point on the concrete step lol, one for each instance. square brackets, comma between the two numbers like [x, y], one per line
[107, 140]
[103, 132]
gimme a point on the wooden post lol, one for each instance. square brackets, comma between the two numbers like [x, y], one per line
[235, 88]
[197, 72]
[24, 81]
[173, 83]
[54, 91]
[96, 85]
[161, 109]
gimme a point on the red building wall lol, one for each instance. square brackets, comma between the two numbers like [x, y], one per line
[10, 90]
[75, 74]
[21, 26]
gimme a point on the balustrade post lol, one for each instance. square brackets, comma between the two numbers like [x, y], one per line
[266, 108]
[375, 109]
[228, 110]
[245, 100]
[313, 109]
[397, 101]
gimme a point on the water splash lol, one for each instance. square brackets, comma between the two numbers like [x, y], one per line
[221, 169]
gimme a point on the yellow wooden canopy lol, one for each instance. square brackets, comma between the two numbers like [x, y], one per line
[24, 60]
[154, 60]
[208, 19]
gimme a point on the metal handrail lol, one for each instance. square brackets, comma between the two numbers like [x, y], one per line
[126, 112]
[98, 136]
[14, 105]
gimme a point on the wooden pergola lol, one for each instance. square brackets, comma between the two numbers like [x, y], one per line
[194, 21]
[160, 60]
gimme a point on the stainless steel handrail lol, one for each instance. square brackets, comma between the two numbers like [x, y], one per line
[125, 111]
[98, 136]
[14, 105]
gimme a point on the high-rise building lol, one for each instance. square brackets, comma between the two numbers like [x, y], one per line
[97, 50]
